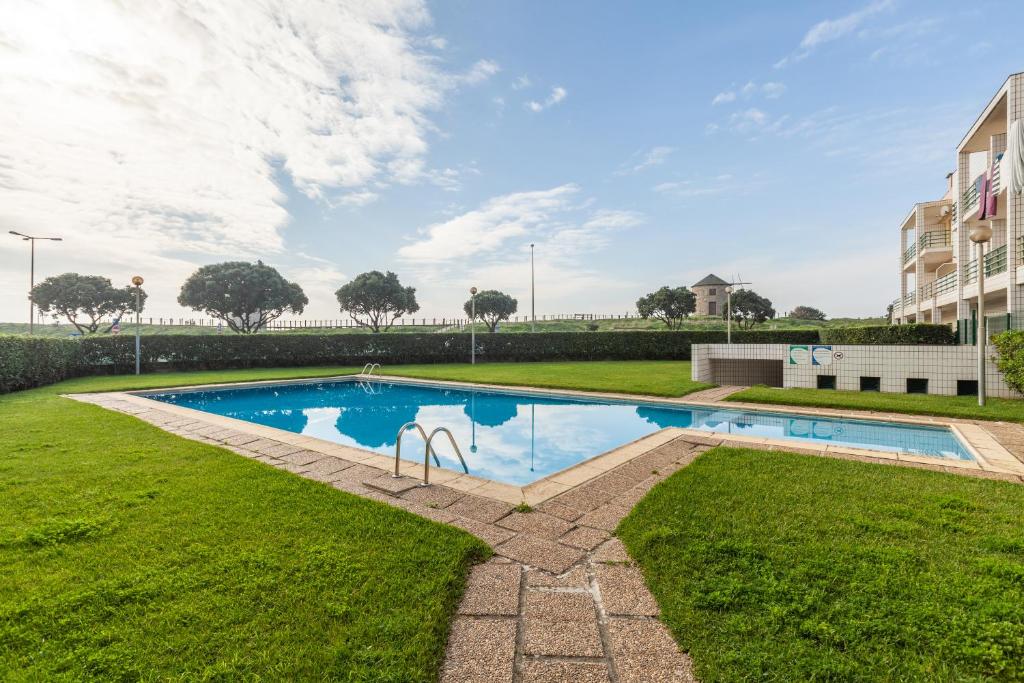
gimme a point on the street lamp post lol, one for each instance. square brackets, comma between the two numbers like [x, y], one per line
[980, 235]
[472, 326]
[137, 281]
[32, 273]
[533, 297]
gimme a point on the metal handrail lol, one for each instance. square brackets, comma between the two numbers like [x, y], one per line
[398, 444]
[426, 460]
[368, 369]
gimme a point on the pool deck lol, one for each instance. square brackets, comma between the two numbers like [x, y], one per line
[562, 599]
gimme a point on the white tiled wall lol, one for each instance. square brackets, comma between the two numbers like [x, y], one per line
[942, 366]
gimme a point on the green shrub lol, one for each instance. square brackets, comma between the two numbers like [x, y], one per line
[117, 354]
[890, 334]
[1010, 361]
[27, 362]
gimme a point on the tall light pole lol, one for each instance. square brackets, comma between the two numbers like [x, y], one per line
[32, 274]
[533, 297]
[980, 235]
[472, 326]
[137, 281]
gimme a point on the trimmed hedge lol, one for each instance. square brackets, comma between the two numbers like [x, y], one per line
[942, 335]
[27, 362]
[117, 354]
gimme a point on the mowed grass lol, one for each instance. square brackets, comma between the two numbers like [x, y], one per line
[965, 407]
[127, 553]
[654, 378]
[780, 567]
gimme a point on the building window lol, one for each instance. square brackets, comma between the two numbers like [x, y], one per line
[967, 387]
[870, 383]
[826, 381]
[712, 308]
[917, 385]
[713, 291]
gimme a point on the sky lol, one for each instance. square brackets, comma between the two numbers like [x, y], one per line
[635, 144]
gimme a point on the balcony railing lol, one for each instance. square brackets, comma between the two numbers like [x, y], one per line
[995, 263]
[945, 284]
[909, 299]
[909, 254]
[934, 239]
[969, 199]
[1020, 251]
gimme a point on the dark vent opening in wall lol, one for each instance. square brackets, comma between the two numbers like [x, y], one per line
[870, 383]
[917, 385]
[967, 387]
[826, 381]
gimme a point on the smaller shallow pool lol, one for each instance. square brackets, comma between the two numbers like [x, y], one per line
[518, 437]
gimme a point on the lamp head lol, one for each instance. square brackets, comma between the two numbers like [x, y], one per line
[472, 290]
[137, 280]
[728, 290]
[980, 234]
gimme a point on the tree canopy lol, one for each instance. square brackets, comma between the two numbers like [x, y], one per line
[246, 296]
[74, 296]
[669, 305]
[376, 300]
[807, 313]
[492, 307]
[749, 308]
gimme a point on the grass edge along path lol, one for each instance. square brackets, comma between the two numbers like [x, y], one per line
[135, 553]
[785, 567]
[962, 407]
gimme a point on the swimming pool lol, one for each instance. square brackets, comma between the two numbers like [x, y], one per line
[518, 437]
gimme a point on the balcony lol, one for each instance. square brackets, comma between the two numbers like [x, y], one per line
[934, 239]
[909, 254]
[943, 285]
[995, 263]
[969, 200]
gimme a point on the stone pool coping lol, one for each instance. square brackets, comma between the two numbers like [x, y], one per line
[990, 456]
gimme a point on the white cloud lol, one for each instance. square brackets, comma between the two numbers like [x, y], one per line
[480, 72]
[771, 90]
[489, 247]
[655, 156]
[521, 82]
[558, 94]
[688, 189]
[724, 97]
[164, 130]
[833, 29]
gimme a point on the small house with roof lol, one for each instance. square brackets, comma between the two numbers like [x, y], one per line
[710, 294]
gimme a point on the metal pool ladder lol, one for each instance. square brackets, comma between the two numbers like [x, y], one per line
[368, 369]
[428, 450]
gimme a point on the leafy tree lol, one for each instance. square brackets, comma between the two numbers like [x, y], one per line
[93, 296]
[492, 307]
[806, 313]
[671, 306]
[380, 299]
[246, 296]
[749, 309]
[1010, 361]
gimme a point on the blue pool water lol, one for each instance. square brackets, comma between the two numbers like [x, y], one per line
[518, 437]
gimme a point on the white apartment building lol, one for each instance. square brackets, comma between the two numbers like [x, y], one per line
[938, 264]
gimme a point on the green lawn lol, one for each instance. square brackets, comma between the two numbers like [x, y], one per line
[1011, 410]
[655, 378]
[127, 553]
[780, 567]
